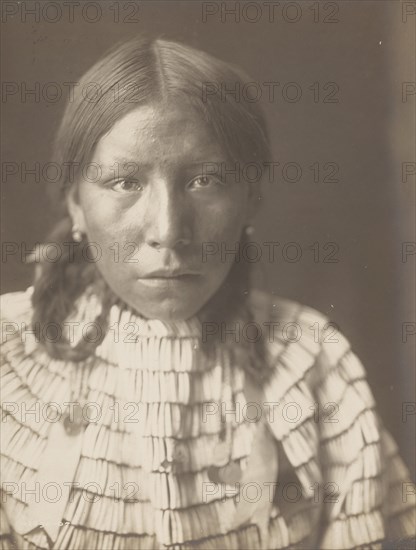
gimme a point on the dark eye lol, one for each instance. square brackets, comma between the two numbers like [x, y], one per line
[127, 185]
[204, 182]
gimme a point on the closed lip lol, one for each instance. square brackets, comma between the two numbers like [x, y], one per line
[173, 274]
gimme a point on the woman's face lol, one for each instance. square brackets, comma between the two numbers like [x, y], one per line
[162, 224]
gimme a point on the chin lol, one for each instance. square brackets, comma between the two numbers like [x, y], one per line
[168, 310]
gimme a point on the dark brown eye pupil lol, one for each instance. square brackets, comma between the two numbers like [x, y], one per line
[128, 184]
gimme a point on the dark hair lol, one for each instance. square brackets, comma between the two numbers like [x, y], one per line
[134, 73]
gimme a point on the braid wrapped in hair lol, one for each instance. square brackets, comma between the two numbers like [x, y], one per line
[57, 287]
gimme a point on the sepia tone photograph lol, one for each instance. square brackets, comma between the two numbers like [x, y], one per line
[208, 260]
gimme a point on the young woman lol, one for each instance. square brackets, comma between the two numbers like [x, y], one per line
[140, 408]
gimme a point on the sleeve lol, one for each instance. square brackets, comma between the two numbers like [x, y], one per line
[15, 314]
[6, 542]
[372, 500]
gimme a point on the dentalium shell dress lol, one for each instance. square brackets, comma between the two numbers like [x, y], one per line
[176, 448]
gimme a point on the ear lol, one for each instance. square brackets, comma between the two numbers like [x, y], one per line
[75, 209]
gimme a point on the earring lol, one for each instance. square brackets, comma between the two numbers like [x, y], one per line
[249, 230]
[76, 233]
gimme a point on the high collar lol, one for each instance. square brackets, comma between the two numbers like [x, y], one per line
[121, 315]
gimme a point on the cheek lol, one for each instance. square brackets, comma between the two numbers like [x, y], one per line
[103, 216]
[219, 232]
[222, 222]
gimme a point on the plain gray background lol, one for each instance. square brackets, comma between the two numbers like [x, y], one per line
[368, 133]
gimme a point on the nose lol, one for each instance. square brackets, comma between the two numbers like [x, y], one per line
[169, 218]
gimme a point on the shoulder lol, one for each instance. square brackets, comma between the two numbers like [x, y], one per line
[28, 375]
[267, 306]
[16, 318]
[302, 340]
[286, 322]
[16, 306]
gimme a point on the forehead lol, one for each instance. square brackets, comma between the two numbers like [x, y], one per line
[160, 133]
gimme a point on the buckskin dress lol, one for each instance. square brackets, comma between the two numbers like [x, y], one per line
[317, 469]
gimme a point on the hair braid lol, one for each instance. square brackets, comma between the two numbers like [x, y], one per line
[57, 287]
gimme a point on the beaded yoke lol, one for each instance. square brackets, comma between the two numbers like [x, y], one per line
[314, 448]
